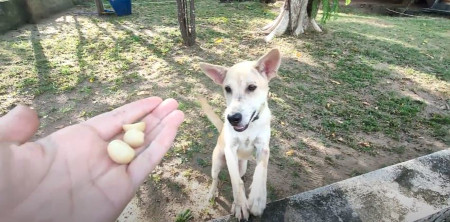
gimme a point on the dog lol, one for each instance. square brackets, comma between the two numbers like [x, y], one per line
[246, 129]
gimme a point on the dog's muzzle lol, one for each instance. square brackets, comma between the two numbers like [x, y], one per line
[236, 119]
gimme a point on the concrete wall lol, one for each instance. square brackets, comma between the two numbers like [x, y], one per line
[14, 13]
[39, 9]
[418, 189]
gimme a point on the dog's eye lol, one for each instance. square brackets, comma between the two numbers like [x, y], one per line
[227, 89]
[251, 88]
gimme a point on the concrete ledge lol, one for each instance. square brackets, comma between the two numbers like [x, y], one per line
[441, 216]
[409, 191]
[14, 13]
[39, 9]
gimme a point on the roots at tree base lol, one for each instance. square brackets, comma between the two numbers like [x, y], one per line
[299, 22]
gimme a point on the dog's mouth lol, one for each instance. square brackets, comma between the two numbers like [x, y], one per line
[241, 128]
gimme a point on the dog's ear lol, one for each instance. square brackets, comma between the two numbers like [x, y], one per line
[268, 64]
[216, 73]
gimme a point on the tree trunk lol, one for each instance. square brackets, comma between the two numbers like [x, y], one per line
[293, 18]
[267, 1]
[100, 8]
[187, 21]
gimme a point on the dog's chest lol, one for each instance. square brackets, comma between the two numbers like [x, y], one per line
[246, 147]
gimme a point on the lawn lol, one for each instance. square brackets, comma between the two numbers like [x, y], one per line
[368, 92]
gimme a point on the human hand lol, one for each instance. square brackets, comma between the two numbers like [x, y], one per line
[68, 175]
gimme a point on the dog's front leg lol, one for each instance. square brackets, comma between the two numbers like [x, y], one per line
[258, 194]
[239, 208]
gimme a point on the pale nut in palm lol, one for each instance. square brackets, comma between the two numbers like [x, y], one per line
[139, 126]
[134, 138]
[120, 152]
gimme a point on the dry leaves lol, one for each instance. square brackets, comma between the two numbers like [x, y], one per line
[335, 82]
[140, 93]
[290, 152]
[298, 55]
[364, 144]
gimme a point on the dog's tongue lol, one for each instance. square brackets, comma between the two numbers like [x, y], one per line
[240, 128]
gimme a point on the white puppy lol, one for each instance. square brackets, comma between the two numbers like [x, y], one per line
[246, 130]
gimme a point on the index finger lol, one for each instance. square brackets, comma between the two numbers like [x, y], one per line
[110, 124]
[18, 125]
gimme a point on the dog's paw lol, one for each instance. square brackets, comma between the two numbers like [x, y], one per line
[240, 207]
[240, 211]
[257, 201]
[257, 205]
[212, 193]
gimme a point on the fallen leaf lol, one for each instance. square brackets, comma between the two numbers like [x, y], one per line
[219, 40]
[335, 82]
[364, 144]
[140, 93]
[340, 139]
[429, 56]
[91, 79]
[328, 105]
[366, 103]
[290, 152]
[298, 54]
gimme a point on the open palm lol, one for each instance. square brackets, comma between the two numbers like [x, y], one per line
[68, 176]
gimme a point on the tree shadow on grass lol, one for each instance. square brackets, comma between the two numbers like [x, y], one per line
[42, 65]
[80, 45]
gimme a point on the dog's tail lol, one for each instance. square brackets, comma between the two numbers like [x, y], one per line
[212, 116]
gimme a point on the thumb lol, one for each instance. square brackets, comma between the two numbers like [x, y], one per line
[19, 125]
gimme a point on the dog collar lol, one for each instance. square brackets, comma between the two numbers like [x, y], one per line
[261, 108]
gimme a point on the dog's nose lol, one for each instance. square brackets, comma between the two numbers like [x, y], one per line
[234, 119]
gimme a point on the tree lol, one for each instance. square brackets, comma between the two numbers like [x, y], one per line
[296, 15]
[187, 21]
[100, 9]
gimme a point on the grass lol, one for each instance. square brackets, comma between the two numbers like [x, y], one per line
[369, 86]
[184, 216]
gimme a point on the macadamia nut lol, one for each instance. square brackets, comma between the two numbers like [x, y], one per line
[120, 152]
[139, 126]
[134, 138]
